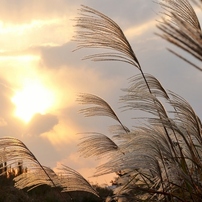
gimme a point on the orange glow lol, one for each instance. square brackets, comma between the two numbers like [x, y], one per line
[33, 98]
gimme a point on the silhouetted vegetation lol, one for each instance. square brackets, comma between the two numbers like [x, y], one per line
[158, 160]
[45, 193]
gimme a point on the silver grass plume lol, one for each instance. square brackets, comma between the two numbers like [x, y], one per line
[99, 31]
[13, 151]
[146, 100]
[96, 144]
[71, 180]
[67, 179]
[36, 177]
[188, 127]
[163, 157]
[181, 27]
[137, 82]
[101, 108]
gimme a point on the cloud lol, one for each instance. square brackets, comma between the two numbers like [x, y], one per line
[127, 16]
[24, 11]
[41, 123]
[42, 149]
[62, 134]
[58, 56]
[22, 36]
[9, 125]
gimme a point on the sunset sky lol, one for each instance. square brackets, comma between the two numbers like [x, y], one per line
[40, 76]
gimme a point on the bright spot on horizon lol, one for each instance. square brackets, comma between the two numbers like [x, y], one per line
[33, 98]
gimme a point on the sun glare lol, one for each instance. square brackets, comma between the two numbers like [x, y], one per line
[33, 98]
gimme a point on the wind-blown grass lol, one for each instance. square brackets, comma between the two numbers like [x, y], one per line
[160, 160]
[182, 28]
[13, 151]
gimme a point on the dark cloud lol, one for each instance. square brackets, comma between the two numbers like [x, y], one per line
[41, 123]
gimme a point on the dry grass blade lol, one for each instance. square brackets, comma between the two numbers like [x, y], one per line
[71, 180]
[181, 27]
[101, 108]
[97, 144]
[99, 31]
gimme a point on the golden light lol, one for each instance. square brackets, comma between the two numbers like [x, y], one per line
[33, 98]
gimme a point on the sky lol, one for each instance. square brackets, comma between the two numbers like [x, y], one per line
[41, 76]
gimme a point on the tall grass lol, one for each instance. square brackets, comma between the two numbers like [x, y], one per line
[13, 151]
[159, 160]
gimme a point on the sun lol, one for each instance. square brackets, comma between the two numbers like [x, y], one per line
[33, 98]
